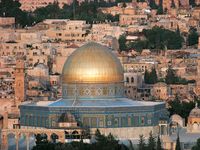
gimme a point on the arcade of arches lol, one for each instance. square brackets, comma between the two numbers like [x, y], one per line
[49, 134]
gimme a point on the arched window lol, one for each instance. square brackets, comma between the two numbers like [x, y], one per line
[127, 79]
[132, 80]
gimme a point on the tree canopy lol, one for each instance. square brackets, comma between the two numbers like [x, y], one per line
[197, 146]
[150, 77]
[151, 142]
[122, 42]
[193, 37]
[88, 11]
[142, 145]
[157, 38]
[102, 143]
[181, 108]
[172, 78]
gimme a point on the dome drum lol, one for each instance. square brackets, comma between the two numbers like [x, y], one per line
[93, 91]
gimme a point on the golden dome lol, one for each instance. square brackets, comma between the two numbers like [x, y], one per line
[92, 63]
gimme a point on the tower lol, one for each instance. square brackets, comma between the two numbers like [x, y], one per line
[20, 81]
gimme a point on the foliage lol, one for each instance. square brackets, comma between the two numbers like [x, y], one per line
[197, 146]
[181, 108]
[122, 43]
[158, 38]
[178, 144]
[160, 8]
[151, 142]
[192, 3]
[139, 45]
[150, 77]
[10, 8]
[172, 78]
[122, 1]
[152, 4]
[193, 37]
[131, 145]
[102, 143]
[158, 144]
[142, 145]
[85, 11]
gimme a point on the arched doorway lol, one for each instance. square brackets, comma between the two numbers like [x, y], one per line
[67, 136]
[39, 138]
[54, 137]
[22, 142]
[75, 135]
[195, 126]
[11, 141]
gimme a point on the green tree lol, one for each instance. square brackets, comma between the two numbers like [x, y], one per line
[154, 77]
[192, 3]
[122, 43]
[178, 144]
[171, 77]
[142, 145]
[152, 4]
[131, 145]
[138, 45]
[181, 108]
[146, 76]
[150, 77]
[158, 144]
[160, 8]
[193, 37]
[11, 8]
[151, 142]
[197, 146]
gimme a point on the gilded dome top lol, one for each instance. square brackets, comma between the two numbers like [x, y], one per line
[92, 63]
[195, 112]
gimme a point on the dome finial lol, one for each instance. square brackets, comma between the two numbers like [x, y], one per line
[196, 105]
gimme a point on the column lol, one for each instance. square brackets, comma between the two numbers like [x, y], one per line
[27, 141]
[17, 141]
[4, 142]
[49, 137]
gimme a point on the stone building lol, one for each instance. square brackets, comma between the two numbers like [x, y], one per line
[93, 92]
[194, 120]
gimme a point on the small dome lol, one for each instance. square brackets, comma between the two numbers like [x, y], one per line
[195, 112]
[177, 119]
[92, 63]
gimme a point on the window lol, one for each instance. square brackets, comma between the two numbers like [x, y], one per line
[149, 121]
[109, 123]
[132, 80]
[127, 79]
[142, 120]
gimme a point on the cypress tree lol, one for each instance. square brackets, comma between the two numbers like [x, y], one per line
[154, 76]
[151, 142]
[158, 145]
[171, 77]
[142, 144]
[178, 144]
[146, 76]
